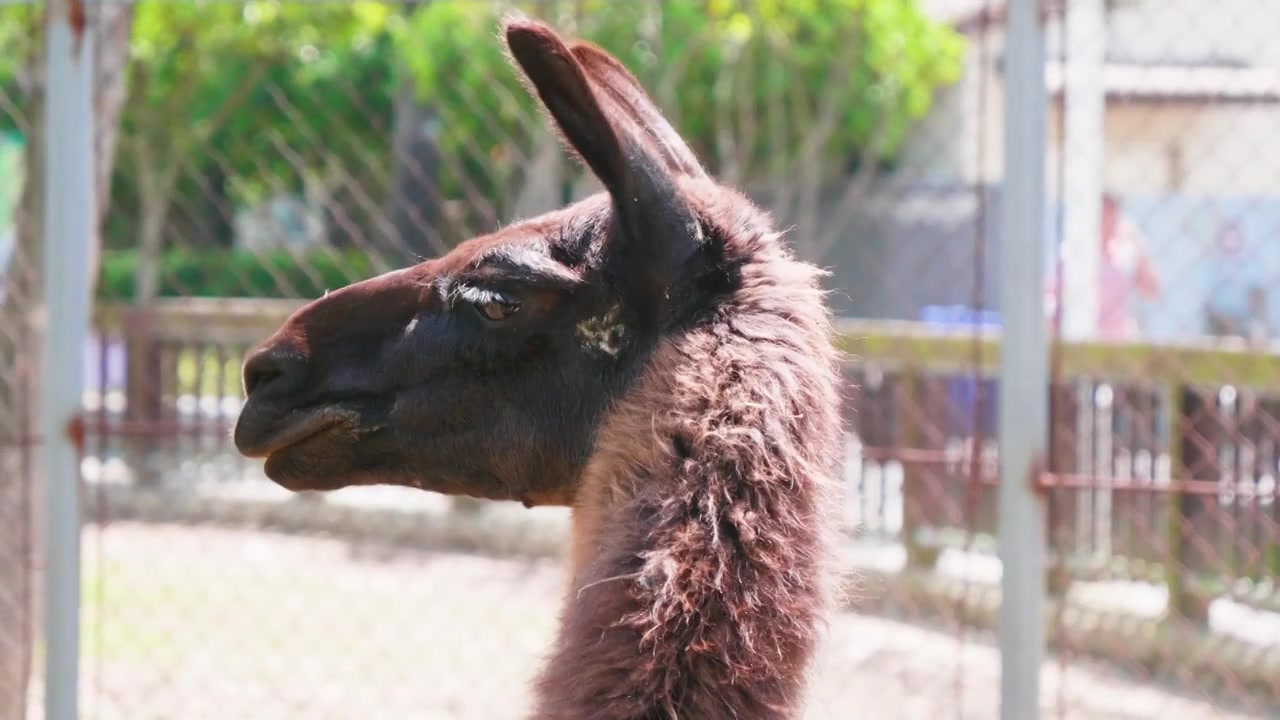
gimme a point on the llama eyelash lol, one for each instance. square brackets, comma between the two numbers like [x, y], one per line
[473, 294]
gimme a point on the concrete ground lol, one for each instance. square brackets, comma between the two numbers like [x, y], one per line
[184, 622]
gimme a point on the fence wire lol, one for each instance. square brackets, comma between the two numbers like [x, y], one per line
[253, 155]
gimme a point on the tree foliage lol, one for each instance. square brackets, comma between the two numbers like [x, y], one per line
[276, 96]
[19, 33]
[746, 81]
[235, 273]
[264, 89]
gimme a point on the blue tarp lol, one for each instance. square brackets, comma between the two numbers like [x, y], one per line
[962, 395]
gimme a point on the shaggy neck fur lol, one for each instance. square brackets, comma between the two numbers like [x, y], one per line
[700, 562]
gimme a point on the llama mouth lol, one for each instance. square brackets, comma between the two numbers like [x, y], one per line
[291, 431]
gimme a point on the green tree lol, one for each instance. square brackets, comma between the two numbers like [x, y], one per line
[266, 97]
[809, 90]
[454, 59]
[248, 87]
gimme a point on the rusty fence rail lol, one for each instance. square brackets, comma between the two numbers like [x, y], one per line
[1164, 521]
[1163, 458]
[1161, 481]
[1163, 468]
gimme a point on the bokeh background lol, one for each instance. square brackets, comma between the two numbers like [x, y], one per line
[250, 155]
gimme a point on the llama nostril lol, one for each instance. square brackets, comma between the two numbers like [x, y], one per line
[255, 378]
[274, 369]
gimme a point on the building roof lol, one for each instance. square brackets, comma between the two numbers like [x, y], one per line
[972, 16]
[1179, 82]
[1159, 80]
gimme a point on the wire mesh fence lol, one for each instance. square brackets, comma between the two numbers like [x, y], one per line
[17, 503]
[253, 155]
[1169, 499]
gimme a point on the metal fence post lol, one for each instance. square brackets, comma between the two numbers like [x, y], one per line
[1084, 125]
[1024, 376]
[68, 232]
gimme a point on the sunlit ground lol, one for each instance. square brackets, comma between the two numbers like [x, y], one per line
[192, 622]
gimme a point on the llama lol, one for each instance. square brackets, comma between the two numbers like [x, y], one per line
[652, 357]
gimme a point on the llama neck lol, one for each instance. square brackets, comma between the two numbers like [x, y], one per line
[698, 563]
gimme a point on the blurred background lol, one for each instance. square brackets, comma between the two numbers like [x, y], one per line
[250, 155]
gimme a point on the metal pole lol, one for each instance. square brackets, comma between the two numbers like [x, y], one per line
[1084, 120]
[1083, 158]
[1024, 366]
[68, 232]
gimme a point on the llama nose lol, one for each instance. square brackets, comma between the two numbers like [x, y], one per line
[273, 371]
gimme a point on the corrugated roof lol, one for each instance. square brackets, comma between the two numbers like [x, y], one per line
[969, 16]
[972, 17]
[1180, 82]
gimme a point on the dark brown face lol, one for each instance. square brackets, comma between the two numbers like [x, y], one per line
[486, 372]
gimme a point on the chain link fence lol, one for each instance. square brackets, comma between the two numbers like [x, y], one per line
[252, 155]
[1165, 499]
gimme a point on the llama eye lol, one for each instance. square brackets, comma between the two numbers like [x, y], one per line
[497, 309]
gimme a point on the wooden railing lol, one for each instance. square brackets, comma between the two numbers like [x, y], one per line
[1162, 457]
[1162, 464]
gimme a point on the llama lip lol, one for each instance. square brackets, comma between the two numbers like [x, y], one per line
[291, 431]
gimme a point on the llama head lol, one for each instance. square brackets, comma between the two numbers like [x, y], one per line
[487, 371]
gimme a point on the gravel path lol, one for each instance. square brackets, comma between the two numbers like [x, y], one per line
[193, 623]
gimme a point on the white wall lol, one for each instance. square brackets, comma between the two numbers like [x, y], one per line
[1227, 150]
[1196, 29]
[1152, 148]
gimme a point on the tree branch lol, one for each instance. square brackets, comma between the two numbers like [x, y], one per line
[855, 190]
[159, 176]
[181, 95]
[744, 89]
[730, 169]
[203, 131]
[818, 135]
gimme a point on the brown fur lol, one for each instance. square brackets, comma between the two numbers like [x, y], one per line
[703, 425]
[699, 548]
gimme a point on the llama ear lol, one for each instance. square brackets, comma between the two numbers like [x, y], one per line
[565, 91]
[609, 121]
[613, 78]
